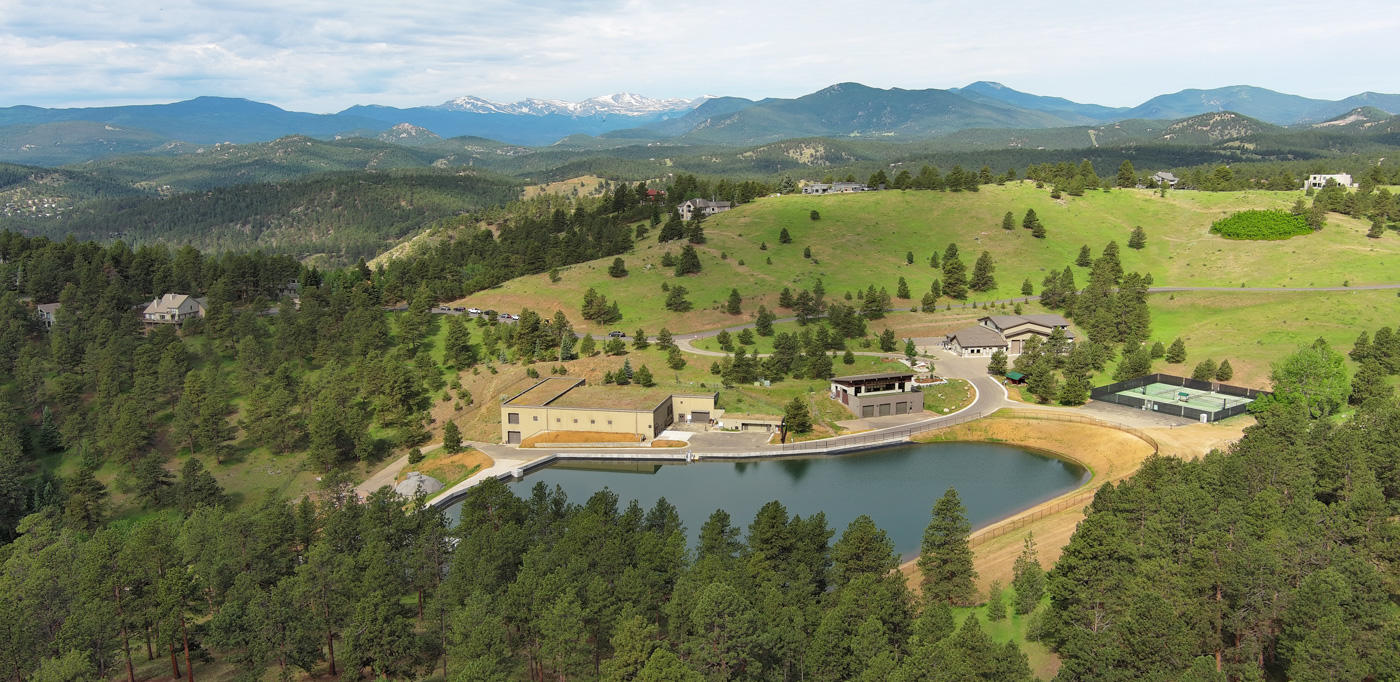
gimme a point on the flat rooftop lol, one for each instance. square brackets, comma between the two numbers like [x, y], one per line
[545, 391]
[630, 397]
[877, 376]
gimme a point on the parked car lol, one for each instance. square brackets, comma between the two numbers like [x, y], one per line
[488, 314]
[615, 334]
[504, 316]
[515, 317]
[473, 311]
[459, 309]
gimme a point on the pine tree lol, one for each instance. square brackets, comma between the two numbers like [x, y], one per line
[982, 279]
[887, 340]
[675, 299]
[848, 357]
[796, 418]
[902, 290]
[1127, 175]
[908, 257]
[689, 261]
[1086, 257]
[1008, 221]
[1075, 390]
[1029, 579]
[1159, 351]
[1224, 372]
[954, 278]
[996, 602]
[1204, 370]
[451, 437]
[618, 268]
[1030, 220]
[587, 346]
[784, 237]
[1377, 228]
[1026, 288]
[763, 324]
[639, 339]
[644, 378]
[945, 559]
[1176, 353]
[1138, 239]
[1038, 231]
[997, 365]
[664, 340]
[674, 359]
[733, 305]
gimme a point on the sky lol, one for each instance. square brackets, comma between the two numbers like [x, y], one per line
[326, 55]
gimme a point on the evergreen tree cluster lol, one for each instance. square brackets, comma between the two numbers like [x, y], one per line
[1222, 563]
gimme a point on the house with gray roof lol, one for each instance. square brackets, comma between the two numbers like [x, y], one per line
[1016, 329]
[47, 313]
[975, 341]
[1163, 178]
[705, 207]
[173, 309]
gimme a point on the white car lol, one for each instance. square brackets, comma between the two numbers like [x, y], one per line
[473, 311]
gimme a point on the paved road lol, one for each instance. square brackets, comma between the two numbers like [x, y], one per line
[692, 336]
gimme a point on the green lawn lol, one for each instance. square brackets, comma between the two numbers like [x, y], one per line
[862, 239]
[1253, 330]
[1044, 663]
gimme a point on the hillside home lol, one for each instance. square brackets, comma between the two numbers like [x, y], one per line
[47, 313]
[1017, 328]
[706, 208]
[654, 195]
[976, 341]
[567, 404]
[878, 395]
[173, 309]
[1320, 181]
[834, 188]
[1164, 178]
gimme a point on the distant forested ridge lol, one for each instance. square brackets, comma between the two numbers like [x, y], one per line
[343, 216]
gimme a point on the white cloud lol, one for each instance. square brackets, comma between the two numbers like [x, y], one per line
[323, 55]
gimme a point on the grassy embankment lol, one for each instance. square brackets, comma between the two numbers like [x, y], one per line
[862, 239]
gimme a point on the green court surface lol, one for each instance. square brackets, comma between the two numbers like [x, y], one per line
[1181, 395]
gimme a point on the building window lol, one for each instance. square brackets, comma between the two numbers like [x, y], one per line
[512, 418]
[535, 418]
[591, 421]
[576, 421]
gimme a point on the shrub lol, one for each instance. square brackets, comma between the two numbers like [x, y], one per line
[1261, 225]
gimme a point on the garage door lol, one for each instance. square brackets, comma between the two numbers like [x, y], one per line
[513, 437]
[700, 417]
[901, 408]
[867, 410]
[885, 410]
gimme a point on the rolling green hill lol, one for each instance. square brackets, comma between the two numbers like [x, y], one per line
[862, 239]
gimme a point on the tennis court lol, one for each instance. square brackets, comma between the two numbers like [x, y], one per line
[1179, 396]
[1183, 395]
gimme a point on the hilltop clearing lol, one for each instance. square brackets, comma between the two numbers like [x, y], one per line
[865, 239]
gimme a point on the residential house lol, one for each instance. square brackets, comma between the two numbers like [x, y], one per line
[47, 313]
[834, 188]
[1320, 181]
[654, 195]
[705, 207]
[878, 395]
[1164, 178]
[173, 309]
[975, 341]
[1017, 328]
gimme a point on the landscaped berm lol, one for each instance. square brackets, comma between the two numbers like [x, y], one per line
[1196, 400]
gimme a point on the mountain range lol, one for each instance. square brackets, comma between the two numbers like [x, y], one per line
[50, 137]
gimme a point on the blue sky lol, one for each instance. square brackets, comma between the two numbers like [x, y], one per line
[325, 55]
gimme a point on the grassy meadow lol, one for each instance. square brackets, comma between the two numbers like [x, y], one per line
[863, 239]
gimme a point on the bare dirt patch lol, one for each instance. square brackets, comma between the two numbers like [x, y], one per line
[579, 437]
[1110, 454]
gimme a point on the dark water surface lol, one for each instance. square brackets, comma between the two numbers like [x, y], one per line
[895, 486]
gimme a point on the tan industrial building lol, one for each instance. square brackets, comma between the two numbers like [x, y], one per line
[569, 404]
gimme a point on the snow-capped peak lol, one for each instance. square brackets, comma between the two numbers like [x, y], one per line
[622, 103]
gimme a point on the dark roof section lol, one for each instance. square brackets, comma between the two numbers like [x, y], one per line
[978, 337]
[877, 376]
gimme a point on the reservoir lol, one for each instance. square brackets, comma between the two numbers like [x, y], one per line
[895, 486]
